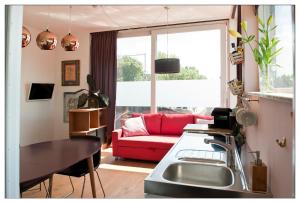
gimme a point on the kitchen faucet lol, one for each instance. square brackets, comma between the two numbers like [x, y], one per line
[229, 148]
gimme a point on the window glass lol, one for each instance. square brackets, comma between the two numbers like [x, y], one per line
[197, 86]
[133, 77]
[196, 89]
[281, 78]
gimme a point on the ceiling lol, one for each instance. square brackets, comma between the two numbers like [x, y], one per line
[102, 18]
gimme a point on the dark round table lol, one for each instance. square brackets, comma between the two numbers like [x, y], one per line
[46, 158]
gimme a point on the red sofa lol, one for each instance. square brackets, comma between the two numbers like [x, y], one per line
[164, 130]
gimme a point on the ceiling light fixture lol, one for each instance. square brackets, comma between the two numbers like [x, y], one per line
[26, 37]
[46, 40]
[167, 65]
[70, 42]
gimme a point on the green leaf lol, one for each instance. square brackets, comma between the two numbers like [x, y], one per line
[263, 40]
[274, 42]
[273, 28]
[234, 33]
[267, 39]
[257, 56]
[245, 40]
[251, 38]
[260, 22]
[275, 53]
[262, 47]
[269, 21]
[244, 25]
[261, 30]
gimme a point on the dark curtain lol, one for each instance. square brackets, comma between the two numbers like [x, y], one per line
[104, 72]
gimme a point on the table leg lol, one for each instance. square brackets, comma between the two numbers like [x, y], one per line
[50, 185]
[92, 178]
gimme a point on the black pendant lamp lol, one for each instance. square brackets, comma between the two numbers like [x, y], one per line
[167, 65]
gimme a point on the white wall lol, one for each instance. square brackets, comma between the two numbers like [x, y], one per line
[37, 118]
[43, 120]
[275, 120]
[61, 129]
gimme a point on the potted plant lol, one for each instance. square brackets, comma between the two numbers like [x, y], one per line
[265, 50]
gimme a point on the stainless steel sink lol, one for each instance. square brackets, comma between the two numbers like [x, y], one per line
[203, 160]
[193, 169]
[199, 174]
[202, 156]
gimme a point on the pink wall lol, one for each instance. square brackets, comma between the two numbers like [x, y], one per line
[250, 73]
[37, 117]
[275, 120]
[45, 66]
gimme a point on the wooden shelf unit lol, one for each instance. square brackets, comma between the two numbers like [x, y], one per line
[85, 121]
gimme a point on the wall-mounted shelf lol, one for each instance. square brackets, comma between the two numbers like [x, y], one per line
[85, 121]
[281, 97]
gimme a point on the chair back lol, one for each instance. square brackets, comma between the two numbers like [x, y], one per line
[81, 168]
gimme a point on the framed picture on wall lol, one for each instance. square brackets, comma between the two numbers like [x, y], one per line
[70, 72]
[70, 102]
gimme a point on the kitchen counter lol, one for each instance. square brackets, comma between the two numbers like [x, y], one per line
[192, 144]
[203, 128]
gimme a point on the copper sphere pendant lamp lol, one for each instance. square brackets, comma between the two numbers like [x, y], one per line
[26, 37]
[70, 42]
[46, 40]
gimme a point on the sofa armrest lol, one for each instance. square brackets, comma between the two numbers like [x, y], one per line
[116, 134]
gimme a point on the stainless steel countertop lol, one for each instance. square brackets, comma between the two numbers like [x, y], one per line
[155, 184]
[203, 128]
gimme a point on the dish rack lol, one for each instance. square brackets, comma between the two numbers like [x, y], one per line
[236, 87]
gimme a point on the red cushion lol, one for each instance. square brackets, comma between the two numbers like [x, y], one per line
[151, 141]
[173, 124]
[202, 117]
[152, 122]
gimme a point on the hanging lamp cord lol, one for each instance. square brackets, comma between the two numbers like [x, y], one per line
[70, 19]
[167, 8]
[48, 20]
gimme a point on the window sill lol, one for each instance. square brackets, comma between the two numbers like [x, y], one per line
[282, 97]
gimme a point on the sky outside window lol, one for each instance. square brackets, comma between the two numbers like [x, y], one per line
[199, 49]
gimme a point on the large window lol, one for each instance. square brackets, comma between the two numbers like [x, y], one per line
[201, 83]
[197, 86]
[281, 78]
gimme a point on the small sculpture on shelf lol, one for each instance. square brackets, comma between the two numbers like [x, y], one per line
[94, 98]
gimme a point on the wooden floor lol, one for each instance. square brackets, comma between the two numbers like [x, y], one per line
[122, 178]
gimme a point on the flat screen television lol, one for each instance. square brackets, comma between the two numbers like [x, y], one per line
[40, 91]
